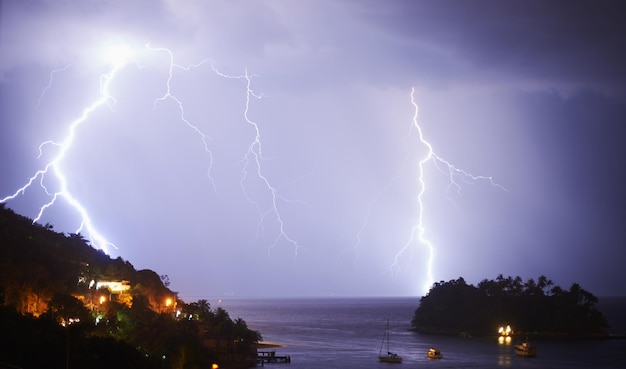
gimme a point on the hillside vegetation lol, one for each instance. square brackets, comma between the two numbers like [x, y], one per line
[65, 304]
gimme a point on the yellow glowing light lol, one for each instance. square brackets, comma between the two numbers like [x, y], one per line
[102, 299]
[114, 286]
[215, 366]
[504, 340]
[168, 302]
[505, 331]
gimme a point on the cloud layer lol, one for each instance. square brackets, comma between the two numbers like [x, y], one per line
[530, 93]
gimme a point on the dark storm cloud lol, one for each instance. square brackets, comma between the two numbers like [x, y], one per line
[550, 43]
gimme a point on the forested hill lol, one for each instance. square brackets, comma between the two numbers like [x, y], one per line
[65, 304]
[530, 308]
[36, 262]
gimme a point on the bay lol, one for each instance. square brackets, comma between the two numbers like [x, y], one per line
[348, 332]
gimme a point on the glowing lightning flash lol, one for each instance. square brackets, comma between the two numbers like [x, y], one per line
[118, 57]
[43, 93]
[252, 157]
[53, 167]
[169, 96]
[453, 173]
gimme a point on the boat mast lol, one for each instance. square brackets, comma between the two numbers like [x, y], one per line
[385, 338]
[387, 335]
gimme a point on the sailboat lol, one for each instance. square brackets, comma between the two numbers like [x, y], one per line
[389, 357]
[526, 349]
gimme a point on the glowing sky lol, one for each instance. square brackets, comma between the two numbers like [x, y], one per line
[318, 93]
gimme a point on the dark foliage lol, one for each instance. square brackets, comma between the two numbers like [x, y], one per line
[30, 342]
[48, 314]
[534, 307]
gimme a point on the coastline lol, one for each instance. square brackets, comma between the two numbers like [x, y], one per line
[532, 335]
[267, 345]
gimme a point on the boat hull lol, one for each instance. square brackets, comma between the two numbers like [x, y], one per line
[434, 353]
[390, 359]
[525, 350]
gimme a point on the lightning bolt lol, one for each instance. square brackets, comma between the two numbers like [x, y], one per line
[169, 96]
[43, 92]
[455, 176]
[53, 167]
[252, 160]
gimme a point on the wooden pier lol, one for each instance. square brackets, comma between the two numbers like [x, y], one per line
[263, 357]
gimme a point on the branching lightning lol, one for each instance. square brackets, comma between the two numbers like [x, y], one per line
[169, 96]
[454, 175]
[53, 167]
[254, 156]
[43, 93]
[252, 160]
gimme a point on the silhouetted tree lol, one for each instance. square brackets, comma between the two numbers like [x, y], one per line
[45, 271]
[454, 306]
[66, 309]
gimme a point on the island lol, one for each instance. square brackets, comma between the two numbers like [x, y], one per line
[537, 308]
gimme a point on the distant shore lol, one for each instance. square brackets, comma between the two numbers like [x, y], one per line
[532, 335]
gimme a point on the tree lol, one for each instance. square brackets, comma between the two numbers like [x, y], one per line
[42, 270]
[66, 310]
[544, 283]
[200, 310]
[454, 306]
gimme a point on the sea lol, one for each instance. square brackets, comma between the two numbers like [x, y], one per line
[348, 333]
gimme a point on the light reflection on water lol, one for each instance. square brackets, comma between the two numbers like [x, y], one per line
[347, 333]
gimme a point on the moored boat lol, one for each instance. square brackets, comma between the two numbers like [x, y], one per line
[525, 349]
[390, 357]
[434, 353]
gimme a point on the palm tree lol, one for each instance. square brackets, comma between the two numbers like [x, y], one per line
[544, 283]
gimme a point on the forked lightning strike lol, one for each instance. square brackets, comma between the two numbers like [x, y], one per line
[453, 173]
[252, 157]
[53, 167]
[255, 155]
[43, 93]
[169, 96]
[119, 58]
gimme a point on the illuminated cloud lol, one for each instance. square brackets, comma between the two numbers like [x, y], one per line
[531, 93]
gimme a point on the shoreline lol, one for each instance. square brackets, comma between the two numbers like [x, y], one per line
[267, 344]
[534, 336]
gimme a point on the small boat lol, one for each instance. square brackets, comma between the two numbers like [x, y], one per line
[434, 353]
[525, 349]
[390, 357]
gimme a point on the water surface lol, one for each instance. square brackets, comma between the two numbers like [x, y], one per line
[347, 333]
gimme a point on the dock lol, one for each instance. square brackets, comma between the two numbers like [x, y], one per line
[270, 357]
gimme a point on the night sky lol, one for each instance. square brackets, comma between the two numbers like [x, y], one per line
[270, 148]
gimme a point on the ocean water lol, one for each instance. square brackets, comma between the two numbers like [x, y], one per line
[347, 333]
